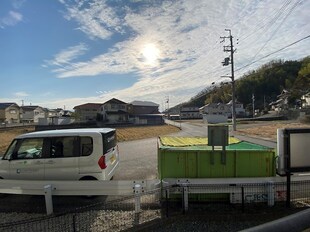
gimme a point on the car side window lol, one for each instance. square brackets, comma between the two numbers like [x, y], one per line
[63, 147]
[29, 149]
[86, 146]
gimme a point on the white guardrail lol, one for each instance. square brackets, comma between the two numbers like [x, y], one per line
[137, 187]
[78, 188]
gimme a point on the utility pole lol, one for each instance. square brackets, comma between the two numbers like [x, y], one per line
[167, 101]
[230, 48]
[253, 101]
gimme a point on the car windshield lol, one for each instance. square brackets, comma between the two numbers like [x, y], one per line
[10, 150]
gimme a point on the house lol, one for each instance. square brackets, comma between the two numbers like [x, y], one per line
[114, 111]
[215, 112]
[87, 112]
[31, 114]
[281, 104]
[143, 107]
[240, 111]
[216, 109]
[190, 112]
[9, 113]
[305, 100]
[145, 112]
[56, 117]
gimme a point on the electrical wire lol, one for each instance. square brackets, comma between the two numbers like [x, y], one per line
[289, 45]
[276, 30]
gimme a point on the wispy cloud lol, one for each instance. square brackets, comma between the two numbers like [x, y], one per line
[65, 57]
[11, 19]
[96, 18]
[186, 33]
[21, 94]
[17, 4]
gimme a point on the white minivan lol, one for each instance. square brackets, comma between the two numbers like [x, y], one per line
[69, 154]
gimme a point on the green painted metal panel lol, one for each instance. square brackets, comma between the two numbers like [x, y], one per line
[242, 160]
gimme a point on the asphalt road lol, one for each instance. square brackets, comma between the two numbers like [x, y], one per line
[138, 159]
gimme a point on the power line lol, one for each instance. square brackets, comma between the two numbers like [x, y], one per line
[276, 30]
[289, 45]
[261, 24]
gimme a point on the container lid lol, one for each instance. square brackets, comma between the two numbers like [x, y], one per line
[190, 141]
[201, 143]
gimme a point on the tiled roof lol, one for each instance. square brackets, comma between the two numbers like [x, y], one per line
[88, 106]
[6, 105]
[115, 101]
[143, 103]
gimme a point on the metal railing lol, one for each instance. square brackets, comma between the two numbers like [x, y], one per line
[176, 197]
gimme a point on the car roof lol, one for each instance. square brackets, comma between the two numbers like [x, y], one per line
[66, 132]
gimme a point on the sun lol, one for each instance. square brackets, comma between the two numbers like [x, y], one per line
[150, 53]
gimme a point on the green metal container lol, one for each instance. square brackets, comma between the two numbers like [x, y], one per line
[241, 159]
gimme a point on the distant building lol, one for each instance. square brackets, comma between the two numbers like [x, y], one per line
[114, 111]
[87, 112]
[240, 111]
[31, 114]
[143, 107]
[216, 109]
[145, 112]
[281, 104]
[9, 113]
[305, 100]
[215, 112]
[191, 112]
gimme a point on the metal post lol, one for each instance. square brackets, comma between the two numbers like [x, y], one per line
[287, 154]
[271, 193]
[48, 199]
[185, 198]
[233, 84]
[242, 198]
[167, 203]
[137, 198]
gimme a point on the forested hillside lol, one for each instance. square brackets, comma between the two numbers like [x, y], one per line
[265, 84]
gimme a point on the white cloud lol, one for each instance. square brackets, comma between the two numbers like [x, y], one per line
[21, 94]
[187, 35]
[68, 55]
[97, 20]
[11, 19]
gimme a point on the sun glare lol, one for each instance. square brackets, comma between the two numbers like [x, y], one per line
[151, 53]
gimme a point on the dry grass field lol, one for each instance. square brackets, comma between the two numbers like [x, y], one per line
[123, 134]
[270, 131]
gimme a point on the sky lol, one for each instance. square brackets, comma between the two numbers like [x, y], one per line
[60, 54]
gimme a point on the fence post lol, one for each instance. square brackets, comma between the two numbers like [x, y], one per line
[271, 193]
[48, 199]
[167, 202]
[242, 198]
[185, 198]
[138, 198]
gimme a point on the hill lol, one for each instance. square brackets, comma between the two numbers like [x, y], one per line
[265, 83]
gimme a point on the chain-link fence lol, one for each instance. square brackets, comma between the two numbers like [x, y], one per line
[155, 208]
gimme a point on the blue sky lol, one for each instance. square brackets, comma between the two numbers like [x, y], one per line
[65, 53]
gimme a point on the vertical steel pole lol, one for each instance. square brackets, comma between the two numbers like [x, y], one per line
[233, 82]
[48, 199]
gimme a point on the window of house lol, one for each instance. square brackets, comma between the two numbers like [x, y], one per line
[12, 111]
